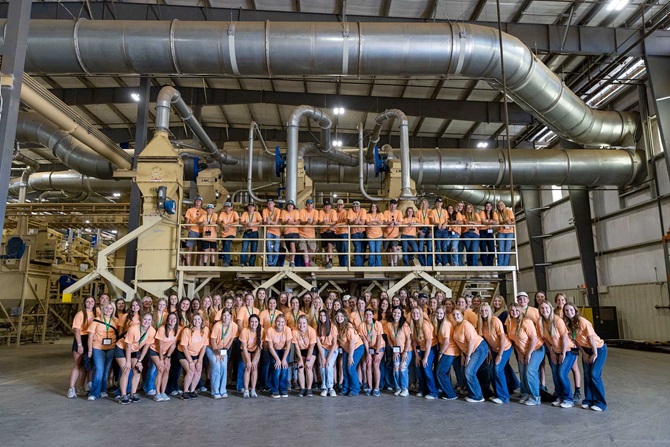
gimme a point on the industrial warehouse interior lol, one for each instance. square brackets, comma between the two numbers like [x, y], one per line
[340, 222]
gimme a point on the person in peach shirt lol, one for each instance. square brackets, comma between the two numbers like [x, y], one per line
[250, 221]
[342, 233]
[487, 242]
[400, 339]
[129, 353]
[448, 353]
[393, 220]
[267, 317]
[438, 217]
[491, 328]
[410, 248]
[352, 352]
[328, 352]
[372, 333]
[279, 339]
[251, 339]
[210, 231]
[304, 340]
[308, 218]
[191, 354]
[505, 217]
[424, 233]
[220, 342]
[357, 216]
[529, 350]
[328, 217]
[192, 218]
[228, 220]
[82, 320]
[473, 353]
[470, 235]
[161, 353]
[101, 341]
[373, 232]
[561, 300]
[453, 234]
[422, 338]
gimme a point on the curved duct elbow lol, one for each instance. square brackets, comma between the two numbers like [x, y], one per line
[33, 128]
[71, 182]
[169, 96]
[476, 195]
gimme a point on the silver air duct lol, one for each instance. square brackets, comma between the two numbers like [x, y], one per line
[405, 184]
[278, 49]
[169, 96]
[477, 195]
[70, 181]
[33, 128]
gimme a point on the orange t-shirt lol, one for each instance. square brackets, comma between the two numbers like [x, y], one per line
[373, 232]
[79, 323]
[455, 223]
[471, 317]
[209, 225]
[360, 215]
[193, 216]
[492, 337]
[192, 340]
[447, 330]
[135, 339]
[482, 217]
[243, 315]
[231, 219]
[328, 218]
[472, 226]
[439, 217]
[308, 232]
[356, 318]
[268, 318]
[342, 219]
[463, 334]
[249, 339]
[398, 337]
[371, 334]
[221, 337]
[585, 330]
[501, 217]
[346, 337]
[168, 342]
[520, 340]
[272, 216]
[278, 339]
[328, 341]
[392, 216]
[427, 330]
[302, 341]
[253, 219]
[408, 230]
[424, 217]
[290, 219]
[292, 318]
[102, 331]
[553, 337]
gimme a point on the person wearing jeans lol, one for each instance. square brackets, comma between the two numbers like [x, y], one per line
[272, 234]
[473, 353]
[400, 340]
[221, 341]
[493, 331]
[594, 354]
[529, 351]
[357, 216]
[505, 218]
[250, 221]
[422, 338]
[470, 235]
[424, 234]
[408, 237]
[352, 351]
[487, 244]
[102, 338]
[228, 221]
[448, 353]
[278, 339]
[439, 219]
[328, 349]
[373, 232]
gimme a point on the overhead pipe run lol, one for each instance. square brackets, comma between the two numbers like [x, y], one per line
[169, 96]
[405, 179]
[476, 195]
[70, 181]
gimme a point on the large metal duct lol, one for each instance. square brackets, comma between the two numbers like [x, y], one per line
[169, 96]
[33, 128]
[345, 49]
[477, 195]
[70, 181]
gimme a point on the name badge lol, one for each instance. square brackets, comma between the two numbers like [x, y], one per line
[372, 351]
[396, 349]
[489, 231]
[106, 341]
[223, 352]
[340, 350]
[506, 227]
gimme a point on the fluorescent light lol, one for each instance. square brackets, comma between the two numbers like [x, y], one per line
[117, 194]
[335, 196]
[617, 5]
[88, 221]
[114, 231]
[337, 143]
[135, 96]
[338, 110]
[482, 144]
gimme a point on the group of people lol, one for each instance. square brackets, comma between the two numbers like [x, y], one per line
[459, 234]
[435, 346]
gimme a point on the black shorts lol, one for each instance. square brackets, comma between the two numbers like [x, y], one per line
[84, 343]
[292, 236]
[121, 353]
[328, 235]
[390, 244]
[206, 245]
[182, 356]
[153, 353]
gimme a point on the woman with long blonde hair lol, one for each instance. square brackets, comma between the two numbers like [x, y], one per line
[529, 352]
[422, 338]
[505, 218]
[470, 235]
[562, 353]
[80, 325]
[491, 328]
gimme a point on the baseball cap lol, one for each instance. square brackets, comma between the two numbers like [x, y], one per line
[439, 199]
[290, 202]
[340, 202]
[356, 202]
[522, 294]
[423, 295]
[346, 297]
[251, 204]
[198, 198]
[209, 206]
[308, 201]
[327, 203]
[228, 204]
[393, 201]
[271, 200]
[314, 289]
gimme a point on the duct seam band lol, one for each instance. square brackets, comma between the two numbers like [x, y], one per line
[267, 47]
[345, 50]
[231, 49]
[77, 51]
[173, 49]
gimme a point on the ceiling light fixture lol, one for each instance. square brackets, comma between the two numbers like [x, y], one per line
[135, 96]
[338, 110]
[117, 194]
[482, 144]
[337, 143]
[617, 5]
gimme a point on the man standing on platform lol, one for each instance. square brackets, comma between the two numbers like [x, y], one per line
[250, 221]
[192, 217]
[228, 220]
[357, 216]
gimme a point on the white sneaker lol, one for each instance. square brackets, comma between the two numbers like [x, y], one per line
[419, 394]
[158, 398]
[556, 403]
[151, 393]
[87, 386]
[246, 394]
[71, 393]
[332, 393]
[429, 397]
[567, 405]
[324, 393]
[253, 394]
[103, 395]
[586, 406]
[404, 393]
[91, 398]
[531, 403]
[471, 400]
[166, 397]
[217, 396]
[596, 408]
[495, 400]
[397, 392]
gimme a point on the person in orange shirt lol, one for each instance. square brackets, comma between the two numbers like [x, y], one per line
[357, 314]
[562, 354]
[210, 229]
[159, 315]
[271, 217]
[328, 353]
[250, 221]
[470, 235]
[372, 332]
[352, 352]
[438, 218]
[422, 338]
[129, 353]
[228, 221]
[220, 342]
[400, 339]
[373, 232]
[267, 318]
[357, 216]
[279, 339]
[505, 218]
[487, 242]
[393, 219]
[290, 217]
[313, 311]
[453, 236]
[425, 233]
[251, 339]
[161, 353]
[594, 353]
[103, 333]
[308, 218]
[469, 315]
[246, 311]
[448, 353]
[304, 340]
[561, 300]
[342, 233]
[491, 328]
[408, 237]
[191, 354]
[192, 218]
[473, 354]
[328, 217]
[82, 320]
[529, 351]
[294, 313]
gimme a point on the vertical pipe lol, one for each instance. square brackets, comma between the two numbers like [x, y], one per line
[361, 167]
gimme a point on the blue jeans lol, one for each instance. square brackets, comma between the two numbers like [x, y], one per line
[219, 373]
[278, 377]
[150, 378]
[425, 247]
[427, 384]
[350, 384]
[359, 248]
[442, 374]
[498, 375]
[102, 361]
[441, 248]
[488, 246]
[272, 249]
[342, 248]
[249, 241]
[328, 370]
[512, 380]
[504, 245]
[240, 374]
[401, 371]
[409, 249]
[375, 246]
[594, 389]
[471, 242]
[476, 360]
[560, 373]
[227, 246]
[530, 376]
[451, 247]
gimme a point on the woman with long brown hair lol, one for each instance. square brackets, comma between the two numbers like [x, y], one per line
[328, 352]
[162, 351]
[129, 352]
[562, 353]
[80, 324]
[500, 349]
[422, 338]
[352, 351]
[529, 349]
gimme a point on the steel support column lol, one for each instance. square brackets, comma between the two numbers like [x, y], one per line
[135, 195]
[530, 195]
[658, 68]
[11, 74]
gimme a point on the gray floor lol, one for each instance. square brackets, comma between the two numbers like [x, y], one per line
[34, 411]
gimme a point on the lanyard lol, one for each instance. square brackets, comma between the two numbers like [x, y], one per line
[295, 317]
[249, 311]
[395, 332]
[439, 215]
[223, 334]
[251, 217]
[424, 216]
[143, 336]
[107, 324]
[369, 331]
[183, 317]
[359, 315]
[272, 317]
[160, 321]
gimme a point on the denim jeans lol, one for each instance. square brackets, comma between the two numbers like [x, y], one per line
[350, 383]
[476, 360]
[278, 377]
[488, 246]
[425, 247]
[504, 245]
[471, 241]
[401, 371]
[219, 373]
[427, 384]
[173, 375]
[359, 248]
[249, 241]
[512, 380]
[442, 374]
[451, 248]
[560, 373]
[328, 370]
[498, 374]
[264, 369]
[342, 249]
[409, 249]
[227, 246]
[530, 376]
[594, 389]
[375, 246]
[102, 361]
[272, 249]
[150, 378]
[441, 256]
[240, 374]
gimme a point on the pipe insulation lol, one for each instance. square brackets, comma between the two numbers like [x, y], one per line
[276, 49]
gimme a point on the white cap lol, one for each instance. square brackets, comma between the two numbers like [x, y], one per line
[522, 294]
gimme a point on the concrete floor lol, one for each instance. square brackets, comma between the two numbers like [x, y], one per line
[35, 411]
